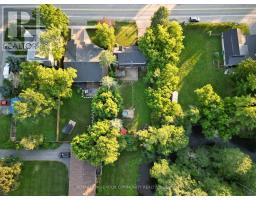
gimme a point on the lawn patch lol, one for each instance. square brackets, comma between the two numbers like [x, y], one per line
[77, 109]
[134, 97]
[197, 68]
[42, 178]
[120, 179]
[5, 122]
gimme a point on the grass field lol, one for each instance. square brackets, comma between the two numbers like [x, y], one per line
[120, 178]
[42, 178]
[77, 109]
[134, 97]
[197, 68]
[126, 33]
[5, 143]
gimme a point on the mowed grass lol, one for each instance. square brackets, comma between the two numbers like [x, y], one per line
[197, 67]
[120, 179]
[42, 178]
[77, 109]
[134, 96]
[5, 122]
[126, 33]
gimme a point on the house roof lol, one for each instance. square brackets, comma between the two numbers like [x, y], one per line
[251, 42]
[231, 44]
[87, 71]
[82, 178]
[131, 56]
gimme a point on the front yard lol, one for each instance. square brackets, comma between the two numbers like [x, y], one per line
[134, 97]
[120, 179]
[197, 68]
[126, 32]
[42, 178]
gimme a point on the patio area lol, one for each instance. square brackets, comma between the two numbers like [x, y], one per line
[128, 74]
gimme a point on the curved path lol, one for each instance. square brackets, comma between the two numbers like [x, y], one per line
[49, 155]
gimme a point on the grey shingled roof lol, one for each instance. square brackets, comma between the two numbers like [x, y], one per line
[231, 44]
[251, 42]
[86, 71]
[131, 56]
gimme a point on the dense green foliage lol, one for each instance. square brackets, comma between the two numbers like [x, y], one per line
[245, 77]
[10, 170]
[105, 36]
[99, 145]
[31, 142]
[164, 140]
[50, 16]
[160, 17]
[106, 104]
[107, 58]
[14, 63]
[52, 44]
[214, 171]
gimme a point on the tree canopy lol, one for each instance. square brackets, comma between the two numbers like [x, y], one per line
[99, 145]
[105, 36]
[160, 17]
[107, 58]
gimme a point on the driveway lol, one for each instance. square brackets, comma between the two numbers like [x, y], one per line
[49, 155]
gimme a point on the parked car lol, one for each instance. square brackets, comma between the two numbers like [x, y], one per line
[64, 154]
[194, 19]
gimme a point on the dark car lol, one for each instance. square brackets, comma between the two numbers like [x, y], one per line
[64, 154]
[194, 19]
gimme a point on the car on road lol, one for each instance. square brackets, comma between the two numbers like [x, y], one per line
[194, 19]
[64, 154]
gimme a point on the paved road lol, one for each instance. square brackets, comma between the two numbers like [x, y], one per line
[51, 155]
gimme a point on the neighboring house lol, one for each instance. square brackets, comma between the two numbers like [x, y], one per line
[236, 47]
[31, 42]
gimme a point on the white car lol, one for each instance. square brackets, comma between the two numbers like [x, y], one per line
[194, 19]
[6, 71]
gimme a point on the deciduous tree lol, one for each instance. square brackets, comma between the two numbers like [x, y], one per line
[105, 36]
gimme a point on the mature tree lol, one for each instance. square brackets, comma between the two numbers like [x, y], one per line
[99, 145]
[193, 114]
[174, 181]
[9, 173]
[109, 82]
[14, 63]
[50, 16]
[163, 44]
[164, 140]
[242, 110]
[107, 58]
[231, 163]
[29, 75]
[52, 44]
[106, 104]
[32, 104]
[245, 77]
[160, 17]
[105, 36]
[213, 118]
[31, 142]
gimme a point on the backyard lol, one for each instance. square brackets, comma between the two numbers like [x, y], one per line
[42, 178]
[197, 67]
[134, 97]
[120, 179]
[75, 108]
[126, 33]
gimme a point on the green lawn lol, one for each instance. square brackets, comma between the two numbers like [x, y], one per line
[134, 97]
[42, 178]
[5, 143]
[197, 68]
[126, 33]
[120, 179]
[77, 109]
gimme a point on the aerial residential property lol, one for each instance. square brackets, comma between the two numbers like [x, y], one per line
[127, 100]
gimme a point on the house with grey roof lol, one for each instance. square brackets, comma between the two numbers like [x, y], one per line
[236, 47]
